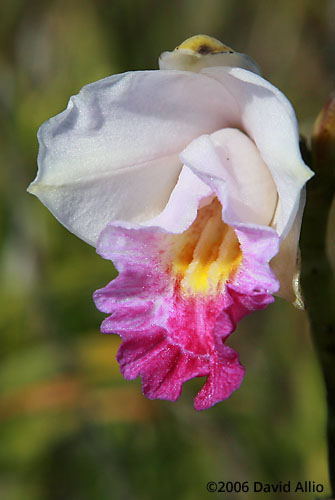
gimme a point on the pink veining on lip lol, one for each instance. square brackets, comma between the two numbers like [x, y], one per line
[173, 318]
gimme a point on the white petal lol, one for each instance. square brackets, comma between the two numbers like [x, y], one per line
[189, 194]
[112, 153]
[187, 197]
[230, 155]
[269, 120]
[285, 264]
[251, 189]
[86, 205]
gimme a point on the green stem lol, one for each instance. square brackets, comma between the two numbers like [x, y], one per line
[317, 281]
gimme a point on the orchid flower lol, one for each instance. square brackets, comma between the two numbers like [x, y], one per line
[190, 179]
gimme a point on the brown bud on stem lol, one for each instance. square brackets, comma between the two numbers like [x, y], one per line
[323, 137]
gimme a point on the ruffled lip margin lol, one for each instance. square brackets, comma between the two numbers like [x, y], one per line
[167, 338]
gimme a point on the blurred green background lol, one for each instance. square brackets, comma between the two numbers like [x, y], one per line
[70, 426]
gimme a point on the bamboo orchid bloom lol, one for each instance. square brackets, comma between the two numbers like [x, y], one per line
[190, 179]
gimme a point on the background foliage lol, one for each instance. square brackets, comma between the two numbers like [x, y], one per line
[70, 427]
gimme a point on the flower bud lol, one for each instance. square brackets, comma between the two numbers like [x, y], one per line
[323, 136]
[203, 51]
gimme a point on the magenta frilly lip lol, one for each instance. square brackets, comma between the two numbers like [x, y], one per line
[174, 325]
